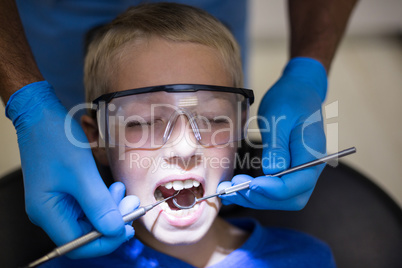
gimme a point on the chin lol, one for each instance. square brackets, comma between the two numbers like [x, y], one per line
[180, 237]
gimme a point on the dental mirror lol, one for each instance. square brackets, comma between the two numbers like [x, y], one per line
[188, 199]
[185, 199]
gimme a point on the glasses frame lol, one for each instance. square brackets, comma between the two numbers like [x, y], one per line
[172, 88]
[248, 93]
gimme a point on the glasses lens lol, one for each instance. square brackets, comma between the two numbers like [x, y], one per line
[147, 120]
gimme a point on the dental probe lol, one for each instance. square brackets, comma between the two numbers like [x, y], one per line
[91, 236]
[325, 159]
[245, 185]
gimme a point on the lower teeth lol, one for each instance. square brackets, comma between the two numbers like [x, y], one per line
[158, 195]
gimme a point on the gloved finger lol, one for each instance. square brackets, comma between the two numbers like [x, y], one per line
[89, 190]
[221, 186]
[98, 204]
[75, 224]
[293, 185]
[252, 199]
[240, 179]
[303, 142]
[240, 197]
[129, 204]
[307, 140]
[126, 204]
[65, 209]
[275, 127]
[287, 186]
[307, 143]
[66, 215]
[102, 245]
[117, 191]
[235, 180]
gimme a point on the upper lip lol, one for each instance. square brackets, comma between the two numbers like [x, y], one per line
[181, 177]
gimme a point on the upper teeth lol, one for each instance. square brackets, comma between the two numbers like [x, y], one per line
[180, 185]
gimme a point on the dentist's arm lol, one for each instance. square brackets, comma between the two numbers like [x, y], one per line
[17, 64]
[291, 124]
[63, 188]
[317, 27]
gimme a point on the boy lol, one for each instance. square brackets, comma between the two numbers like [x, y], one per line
[167, 81]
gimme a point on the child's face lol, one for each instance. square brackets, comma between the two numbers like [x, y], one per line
[159, 62]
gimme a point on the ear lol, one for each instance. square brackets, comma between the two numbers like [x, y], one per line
[90, 128]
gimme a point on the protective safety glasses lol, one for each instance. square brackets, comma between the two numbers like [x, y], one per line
[149, 117]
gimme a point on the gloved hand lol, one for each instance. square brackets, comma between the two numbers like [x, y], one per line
[292, 132]
[125, 204]
[62, 184]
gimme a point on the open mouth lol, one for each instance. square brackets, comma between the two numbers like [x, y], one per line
[189, 189]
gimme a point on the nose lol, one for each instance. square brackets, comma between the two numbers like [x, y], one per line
[182, 145]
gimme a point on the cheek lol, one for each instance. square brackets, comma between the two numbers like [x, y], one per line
[220, 162]
[129, 167]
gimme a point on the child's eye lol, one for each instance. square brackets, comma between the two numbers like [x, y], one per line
[218, 120]
[135, 123]
[213, 122]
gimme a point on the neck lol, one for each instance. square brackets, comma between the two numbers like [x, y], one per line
[220, 240]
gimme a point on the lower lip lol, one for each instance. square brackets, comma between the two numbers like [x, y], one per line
[185, 220]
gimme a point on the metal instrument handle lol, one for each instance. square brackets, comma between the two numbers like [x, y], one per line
[325, 159]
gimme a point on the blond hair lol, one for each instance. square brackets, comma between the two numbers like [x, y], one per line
[173, 22]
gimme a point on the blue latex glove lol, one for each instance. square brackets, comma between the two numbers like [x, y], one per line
[125, 204]
[295, 104]
[63, 187]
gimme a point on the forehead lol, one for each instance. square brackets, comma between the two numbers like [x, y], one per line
[157, 61]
